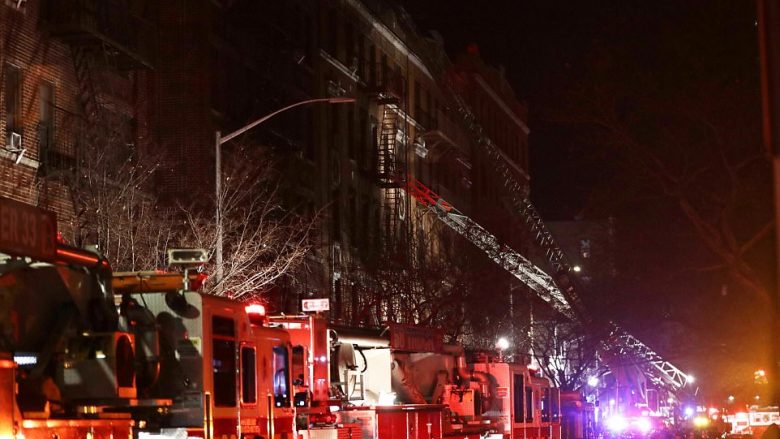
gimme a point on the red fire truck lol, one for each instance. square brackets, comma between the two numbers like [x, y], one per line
[225, 371]
[65, 368]
[172, 362]
[403, 381]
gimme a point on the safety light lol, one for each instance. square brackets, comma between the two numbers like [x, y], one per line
[593, 381]
[502, 344]
[197, 281]
[700, 422]
[256, 314]
[643, 424]
[617, 423]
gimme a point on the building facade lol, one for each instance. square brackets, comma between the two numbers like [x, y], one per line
[159, 79]
[67, 87]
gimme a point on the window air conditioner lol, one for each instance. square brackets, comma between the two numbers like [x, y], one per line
[15, 146]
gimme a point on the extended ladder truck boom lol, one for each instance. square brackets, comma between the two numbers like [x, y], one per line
[618, 342]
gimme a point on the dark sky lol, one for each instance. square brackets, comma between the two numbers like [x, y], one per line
[541, 42]
[547, 47]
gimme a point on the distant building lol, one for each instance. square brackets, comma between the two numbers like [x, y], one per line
[590, 247]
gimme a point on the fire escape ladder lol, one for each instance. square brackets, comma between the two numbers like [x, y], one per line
[387, 173]
[87, 95]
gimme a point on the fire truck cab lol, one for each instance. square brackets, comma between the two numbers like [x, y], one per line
[225, 370]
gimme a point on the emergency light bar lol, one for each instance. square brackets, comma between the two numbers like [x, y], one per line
[256, 314]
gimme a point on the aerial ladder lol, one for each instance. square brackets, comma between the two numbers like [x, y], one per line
[616, 343]
[656, 369]
[559, 290]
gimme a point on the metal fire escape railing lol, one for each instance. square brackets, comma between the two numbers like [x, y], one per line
[386, 169]
[84, 78]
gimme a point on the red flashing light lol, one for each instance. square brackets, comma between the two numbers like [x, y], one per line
[197, 283]
[255, 308]
[256, 314]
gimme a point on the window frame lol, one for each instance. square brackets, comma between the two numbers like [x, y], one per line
[13, 106]
[230, 338]
[243, 374]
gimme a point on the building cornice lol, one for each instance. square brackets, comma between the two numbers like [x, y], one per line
[389, 35]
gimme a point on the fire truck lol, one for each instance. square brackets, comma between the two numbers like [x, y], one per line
[85, 352]
[403, 381]
[66, 370]
[224, 370]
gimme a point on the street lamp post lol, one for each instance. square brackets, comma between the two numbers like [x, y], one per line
[219, 140]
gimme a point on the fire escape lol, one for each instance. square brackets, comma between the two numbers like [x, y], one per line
[101, 34]
[389, 164]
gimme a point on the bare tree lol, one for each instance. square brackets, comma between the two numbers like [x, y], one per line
[114, 209]
[262, 240]
[562, 352]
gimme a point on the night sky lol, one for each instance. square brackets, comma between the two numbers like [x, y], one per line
[698, 54]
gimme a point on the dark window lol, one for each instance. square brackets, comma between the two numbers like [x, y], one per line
[374, 145]
[518, 396]
[298, 365]
[224, 326]
[336, 213]
[546, 405]
[248, 376]
[224, 363]
[281, 377]
[13, 99]
[349, 42]
[529, 405]
[385, 70]
[418, 110]
[45, 117]
[309, 151]
[332, 31]
[351, 147]
[361, 57]
[362, 139]
[555, 404]
[371, 64]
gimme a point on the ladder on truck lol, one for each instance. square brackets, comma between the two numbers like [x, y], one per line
[656, 369]
[617, 342]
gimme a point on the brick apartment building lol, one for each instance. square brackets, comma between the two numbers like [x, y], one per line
[67, 73]
[167, 75]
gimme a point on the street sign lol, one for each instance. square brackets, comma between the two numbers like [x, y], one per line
[27, 230]
[313, 305]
